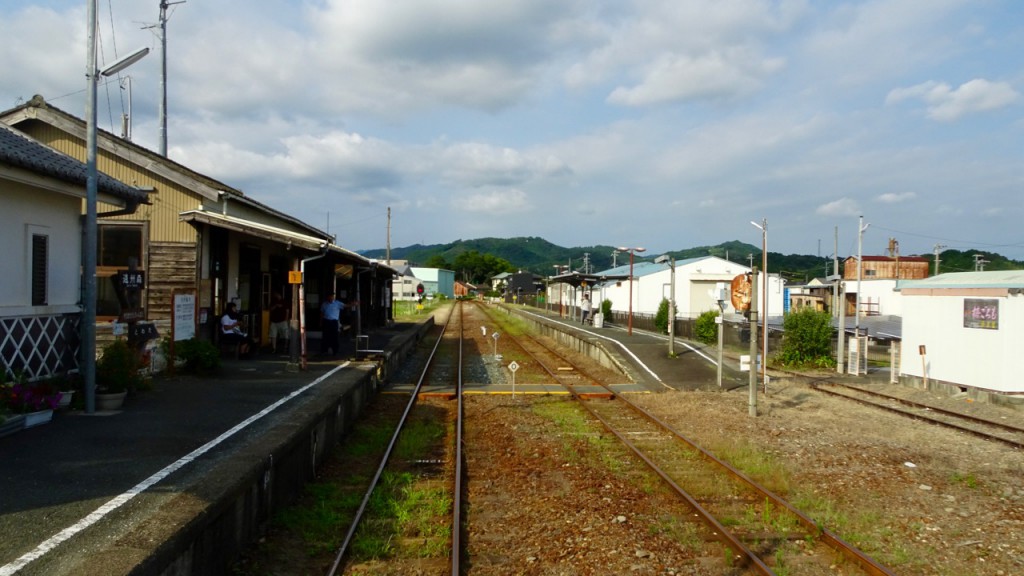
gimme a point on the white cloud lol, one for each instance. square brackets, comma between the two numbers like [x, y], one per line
[947, 104]
[493, 202]
[840, 207]
[894, 197]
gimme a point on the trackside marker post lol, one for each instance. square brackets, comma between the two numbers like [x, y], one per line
[513, 367]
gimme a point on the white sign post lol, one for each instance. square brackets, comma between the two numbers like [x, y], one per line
[495, 335]
[513, 367]
[183, 320]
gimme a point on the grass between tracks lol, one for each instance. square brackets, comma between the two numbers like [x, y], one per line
[408, 515]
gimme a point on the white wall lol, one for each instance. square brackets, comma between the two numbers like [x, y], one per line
[889, 302]
[694, 281]
[969, 356]
[27, 210]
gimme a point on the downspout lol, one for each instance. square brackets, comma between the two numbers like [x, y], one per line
[302, 302]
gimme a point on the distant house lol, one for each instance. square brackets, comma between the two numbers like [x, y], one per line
[963, 331]
[523, 286]
[887, 268]
[436, 280]
[464, 289]
[41, 195]
[498, 281]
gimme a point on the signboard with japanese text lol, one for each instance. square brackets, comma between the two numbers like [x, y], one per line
[184, 316]
[981, 313]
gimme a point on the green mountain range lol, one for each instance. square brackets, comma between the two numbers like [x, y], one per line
[541, 257]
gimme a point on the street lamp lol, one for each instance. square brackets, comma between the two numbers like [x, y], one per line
[631, 252]
[90, 242]
[763, 227]
[671, 302]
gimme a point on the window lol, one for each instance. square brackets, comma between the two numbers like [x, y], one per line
[40, 264]
[120, 247]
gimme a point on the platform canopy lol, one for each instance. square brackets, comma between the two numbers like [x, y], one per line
[577, 279]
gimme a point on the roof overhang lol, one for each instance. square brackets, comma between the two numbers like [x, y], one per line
[578, 278]
[258, 230]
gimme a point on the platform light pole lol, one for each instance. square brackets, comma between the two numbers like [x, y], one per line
[671, 302]
[90, 234]
[631, 251]
[763, 227]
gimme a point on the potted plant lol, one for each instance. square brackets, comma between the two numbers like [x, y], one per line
[34, 401]
[9, 421]
[117, 372]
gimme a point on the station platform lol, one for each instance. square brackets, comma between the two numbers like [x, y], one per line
[123, 492]
[107, 493]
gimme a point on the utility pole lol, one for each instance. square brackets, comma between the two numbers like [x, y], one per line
[979, 263]
[938, 248]
[389, 237]
[840, 302]
[752, 398]
[163, 74]
[860, 269]
[615, 254]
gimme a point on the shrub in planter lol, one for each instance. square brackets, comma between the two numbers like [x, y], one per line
[606, 310]
[199, 356]
[118, 368]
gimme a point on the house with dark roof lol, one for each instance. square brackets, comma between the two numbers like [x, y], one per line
[204, 236]
[41, 194]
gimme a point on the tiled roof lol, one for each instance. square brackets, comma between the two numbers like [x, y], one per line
[17, 149]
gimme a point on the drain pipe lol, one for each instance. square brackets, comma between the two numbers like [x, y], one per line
[302, 303]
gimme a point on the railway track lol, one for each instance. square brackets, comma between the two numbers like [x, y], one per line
[443, 366]
[982, 428]
[764, 533]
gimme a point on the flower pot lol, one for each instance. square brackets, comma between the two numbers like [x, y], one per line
[65, 398]
[38, 418]
[12, 424]
[110, 400]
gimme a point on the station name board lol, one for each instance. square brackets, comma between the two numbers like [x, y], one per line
[981, 313]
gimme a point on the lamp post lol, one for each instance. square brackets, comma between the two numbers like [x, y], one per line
[671, 302]
[763, 227]
[90, 242]
[631, 251]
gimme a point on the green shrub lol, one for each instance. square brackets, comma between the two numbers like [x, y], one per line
[661, 317]
[199, 356]
[705, 329]
[118, 369]
[807, 340]
[606, 310]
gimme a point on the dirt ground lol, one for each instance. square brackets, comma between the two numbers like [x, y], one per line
[918, 498]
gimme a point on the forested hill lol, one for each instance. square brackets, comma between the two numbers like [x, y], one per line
[540, 257]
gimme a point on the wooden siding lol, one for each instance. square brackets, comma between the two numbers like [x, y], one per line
[886, 269]
[172, 266]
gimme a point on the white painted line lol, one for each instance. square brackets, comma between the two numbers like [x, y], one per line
[602, 336]
[53, 541]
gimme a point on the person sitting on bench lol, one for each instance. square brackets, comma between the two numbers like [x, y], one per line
[231, 330]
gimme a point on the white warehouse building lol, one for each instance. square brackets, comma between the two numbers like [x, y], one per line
[698, 284]
[964, 330]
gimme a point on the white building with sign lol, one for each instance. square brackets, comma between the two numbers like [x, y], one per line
[964, 330]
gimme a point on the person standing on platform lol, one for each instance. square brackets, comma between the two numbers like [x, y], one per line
[330, 312]
[585, 305]
[279, 313]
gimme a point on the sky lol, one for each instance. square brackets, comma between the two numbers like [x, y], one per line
[663, 124]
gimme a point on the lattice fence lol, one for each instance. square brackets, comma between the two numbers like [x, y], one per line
[39, 346]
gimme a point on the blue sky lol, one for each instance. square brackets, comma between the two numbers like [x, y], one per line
[663, 124]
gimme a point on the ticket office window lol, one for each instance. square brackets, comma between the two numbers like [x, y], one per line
[120, 247]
